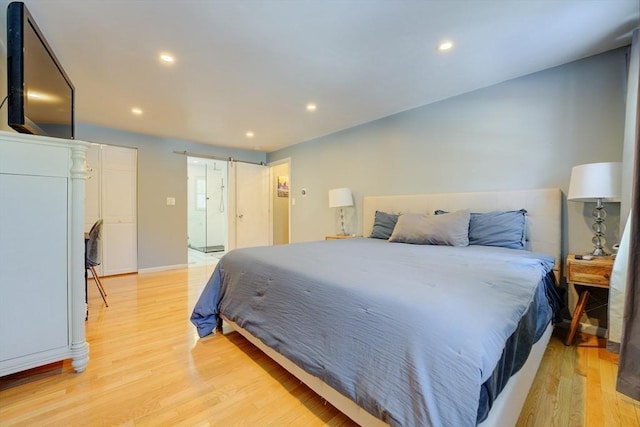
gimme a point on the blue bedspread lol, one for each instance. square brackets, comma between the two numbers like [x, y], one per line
[409, 332]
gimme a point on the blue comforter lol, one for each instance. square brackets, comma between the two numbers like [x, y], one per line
[409, 332]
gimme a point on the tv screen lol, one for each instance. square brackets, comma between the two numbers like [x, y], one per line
[41, 96]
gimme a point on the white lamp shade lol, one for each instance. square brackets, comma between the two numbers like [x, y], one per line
[596, 181]
[340, 197]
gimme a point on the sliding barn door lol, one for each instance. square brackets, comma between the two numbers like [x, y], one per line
[249, 205]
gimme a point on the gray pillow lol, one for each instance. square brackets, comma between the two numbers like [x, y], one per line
[383, 225]
[451, 229]
[505, 229]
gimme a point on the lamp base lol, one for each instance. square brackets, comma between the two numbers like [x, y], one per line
[599, 215]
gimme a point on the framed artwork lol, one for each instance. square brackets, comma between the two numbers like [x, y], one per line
[283, 186]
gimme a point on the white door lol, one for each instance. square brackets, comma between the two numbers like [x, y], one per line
[92, 187]
[249, 205]
[119, 196]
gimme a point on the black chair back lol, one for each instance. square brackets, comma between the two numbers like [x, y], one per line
[93, 254]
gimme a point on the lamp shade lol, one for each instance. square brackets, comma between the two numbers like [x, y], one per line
[596, 181]
[340, 197]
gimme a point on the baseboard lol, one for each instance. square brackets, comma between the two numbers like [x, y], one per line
[162, 268]
[586, 328]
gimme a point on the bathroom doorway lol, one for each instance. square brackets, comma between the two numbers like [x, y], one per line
[207, 210]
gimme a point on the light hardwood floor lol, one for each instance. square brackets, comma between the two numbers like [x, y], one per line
[148, 367]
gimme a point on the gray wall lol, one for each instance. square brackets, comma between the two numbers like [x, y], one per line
[162, 229]
[521, 134]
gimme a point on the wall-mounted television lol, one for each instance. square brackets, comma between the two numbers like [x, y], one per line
[41, 96]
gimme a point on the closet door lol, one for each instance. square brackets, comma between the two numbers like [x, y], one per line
[92, 186]
[118, 206]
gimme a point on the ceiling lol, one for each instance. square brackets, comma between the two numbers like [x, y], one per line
[254, 65]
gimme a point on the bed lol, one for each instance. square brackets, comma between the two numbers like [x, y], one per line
[403, 334]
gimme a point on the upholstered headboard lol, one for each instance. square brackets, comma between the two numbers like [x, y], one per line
[543, 212]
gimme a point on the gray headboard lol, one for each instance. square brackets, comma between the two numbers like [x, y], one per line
[543, 211]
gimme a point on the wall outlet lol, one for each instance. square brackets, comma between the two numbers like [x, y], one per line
[171, 201]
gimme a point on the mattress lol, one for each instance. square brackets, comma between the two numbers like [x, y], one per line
[415, 335]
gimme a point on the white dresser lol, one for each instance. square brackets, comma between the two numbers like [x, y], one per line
[42, 288]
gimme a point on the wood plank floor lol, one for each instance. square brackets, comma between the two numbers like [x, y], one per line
[148, 367]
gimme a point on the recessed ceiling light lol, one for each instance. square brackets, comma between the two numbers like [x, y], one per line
[167, 58]
[250, 134]
[137, 111]
[445, 46]
[311, 107]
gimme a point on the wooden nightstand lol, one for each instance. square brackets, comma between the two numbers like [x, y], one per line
[339, 236]
[586, 273]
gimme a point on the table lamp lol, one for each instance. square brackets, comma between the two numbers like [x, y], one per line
[596, 182]
[340, 198]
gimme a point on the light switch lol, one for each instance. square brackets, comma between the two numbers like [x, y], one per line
[171, 201]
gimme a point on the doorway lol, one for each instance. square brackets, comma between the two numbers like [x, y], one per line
[207, 209]
[280, 201]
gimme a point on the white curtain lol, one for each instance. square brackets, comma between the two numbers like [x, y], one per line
[618, 284]
[628, 381]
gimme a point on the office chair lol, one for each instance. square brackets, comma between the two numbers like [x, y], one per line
[92, 256]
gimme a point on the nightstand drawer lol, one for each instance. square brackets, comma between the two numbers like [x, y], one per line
[595, 272]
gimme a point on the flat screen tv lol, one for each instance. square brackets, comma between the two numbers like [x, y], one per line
[41, 96]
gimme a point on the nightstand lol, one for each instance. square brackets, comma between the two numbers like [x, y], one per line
[339, 236]
[586, 273]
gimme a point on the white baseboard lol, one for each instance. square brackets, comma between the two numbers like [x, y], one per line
[161, 268]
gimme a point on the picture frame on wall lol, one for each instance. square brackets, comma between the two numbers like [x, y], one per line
[283, 186]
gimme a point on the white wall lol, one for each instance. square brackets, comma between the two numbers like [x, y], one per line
[523, 133]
